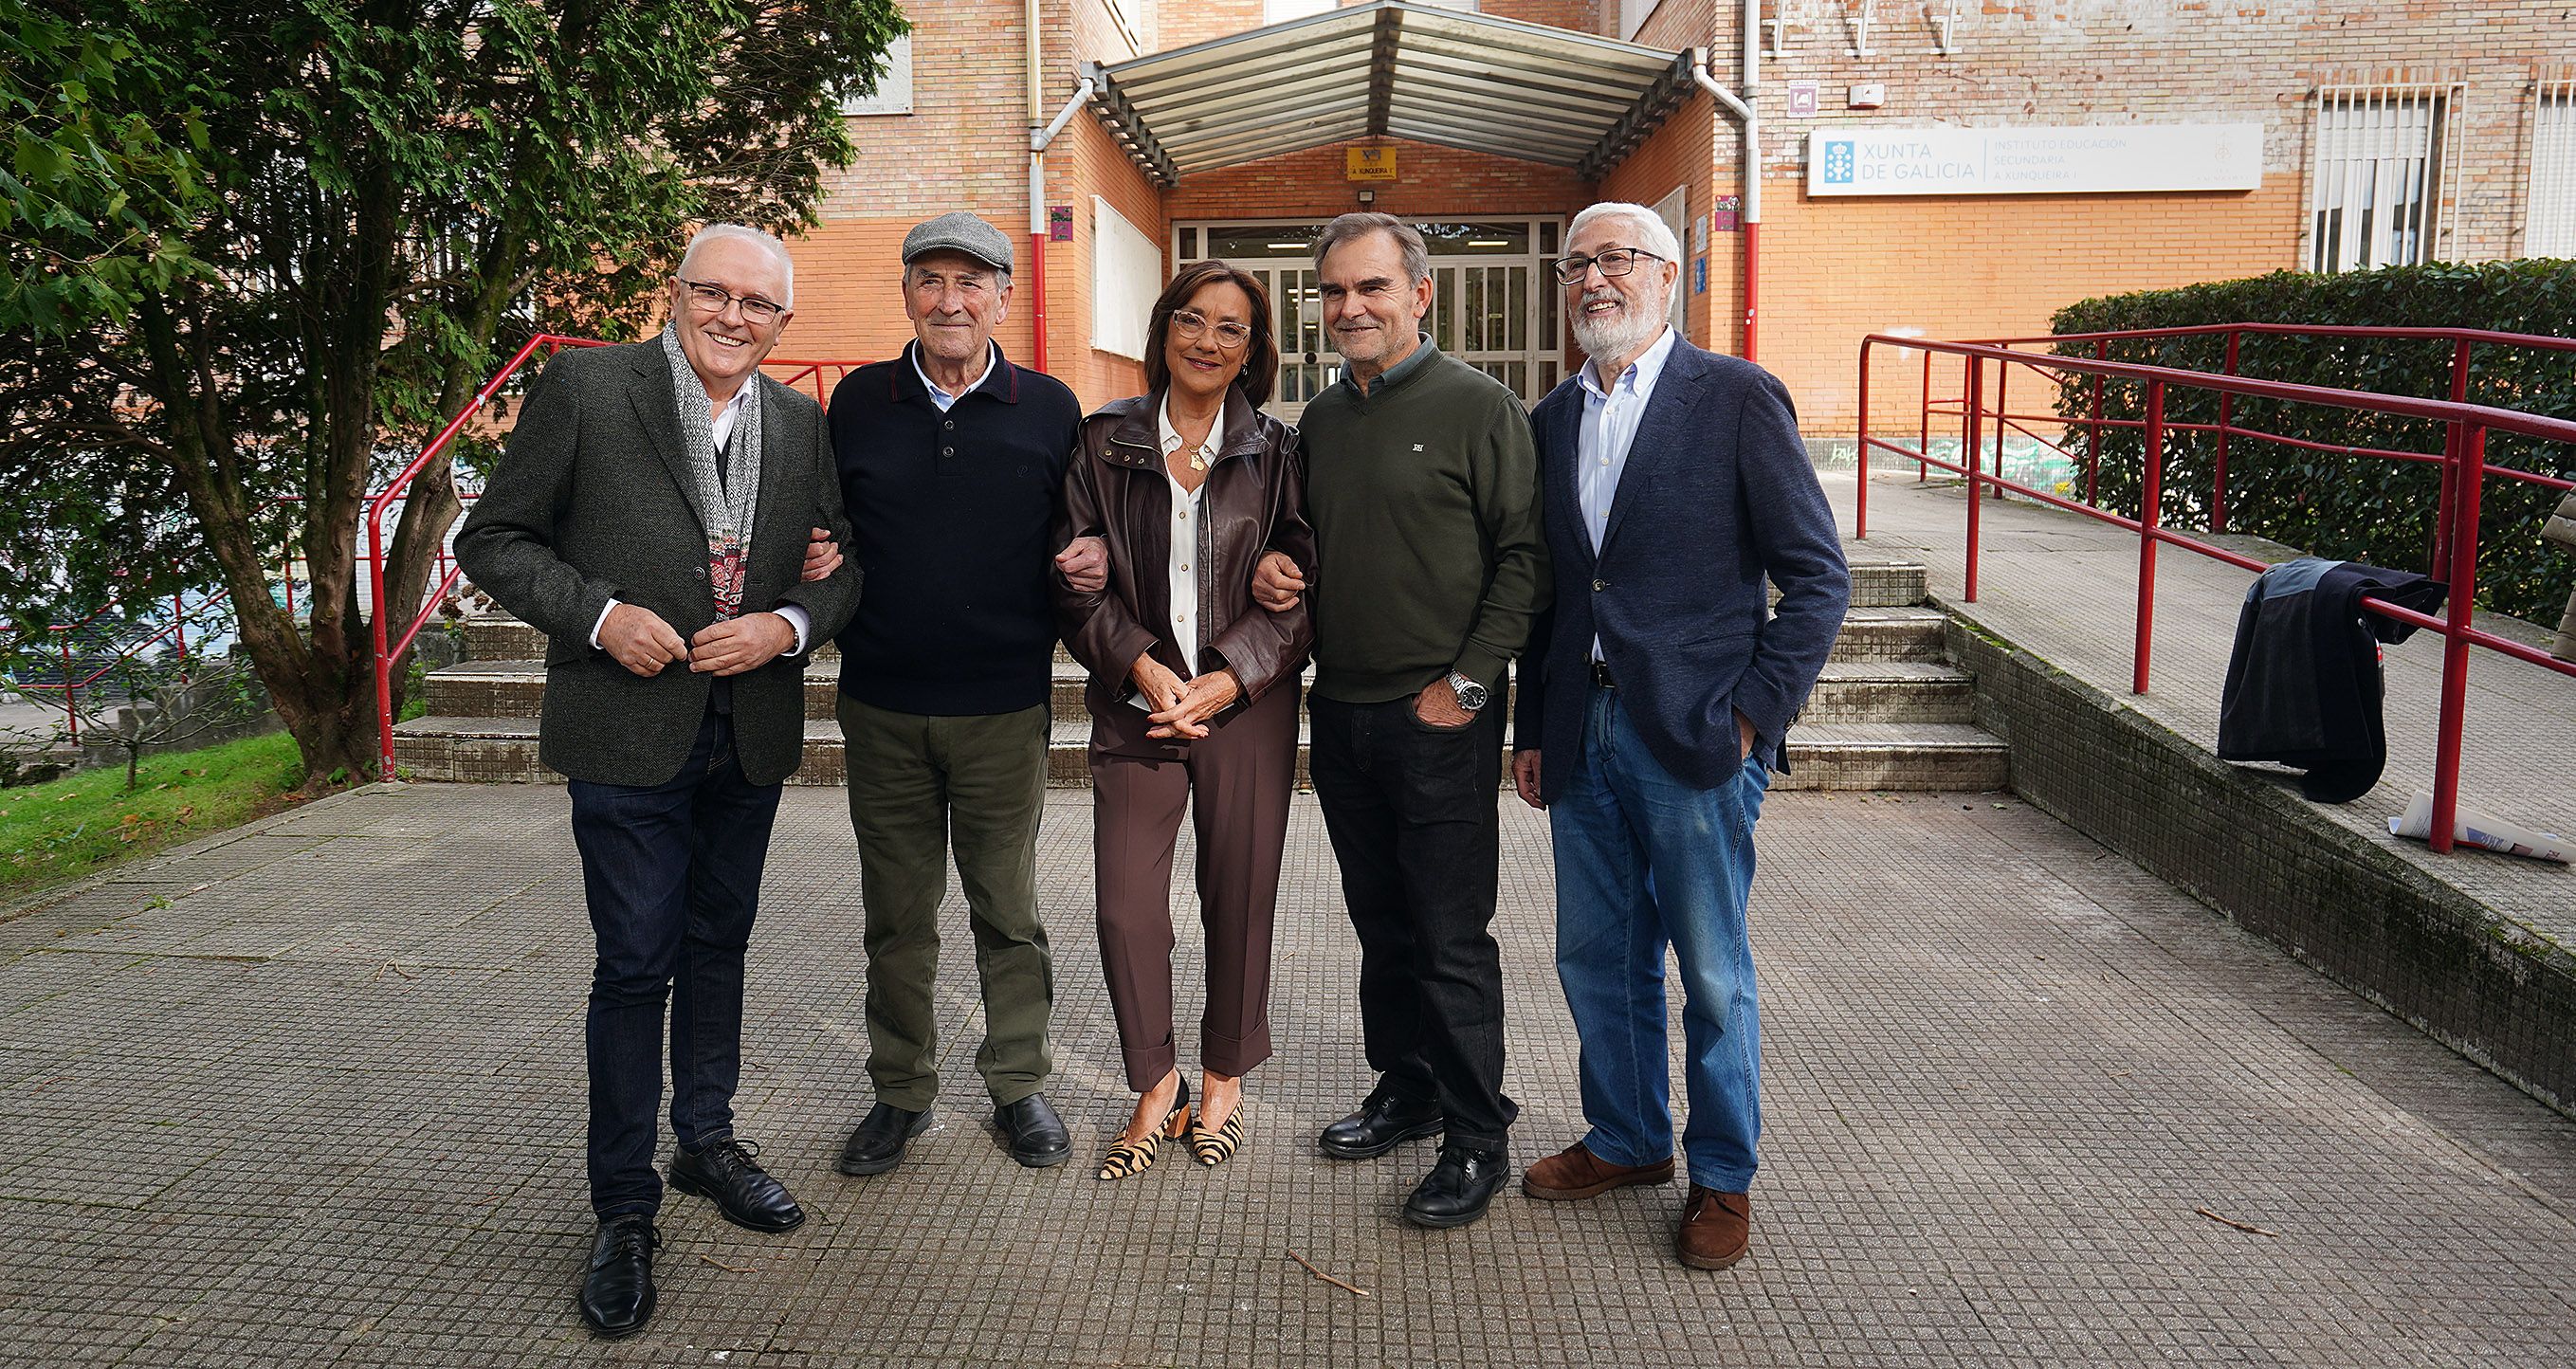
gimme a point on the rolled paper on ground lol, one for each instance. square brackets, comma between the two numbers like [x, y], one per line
[2478, 829]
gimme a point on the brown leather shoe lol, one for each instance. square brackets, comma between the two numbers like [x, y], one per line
[1716, 1228]
[1575, 1172]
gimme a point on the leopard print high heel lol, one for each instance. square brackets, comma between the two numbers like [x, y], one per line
[1129, 1158]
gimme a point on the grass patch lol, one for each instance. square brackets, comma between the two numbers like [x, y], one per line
[68, 828]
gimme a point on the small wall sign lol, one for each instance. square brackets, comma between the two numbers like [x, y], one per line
[1368, 163]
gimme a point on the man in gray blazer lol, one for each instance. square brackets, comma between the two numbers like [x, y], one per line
[651, 518]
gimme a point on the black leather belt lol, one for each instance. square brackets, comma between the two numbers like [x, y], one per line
[1601, 675]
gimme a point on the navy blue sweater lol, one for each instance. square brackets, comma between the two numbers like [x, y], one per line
[948, 521]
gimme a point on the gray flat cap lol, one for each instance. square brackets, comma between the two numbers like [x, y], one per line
[959, 231]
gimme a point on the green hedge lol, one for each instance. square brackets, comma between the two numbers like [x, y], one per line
[2360, 508]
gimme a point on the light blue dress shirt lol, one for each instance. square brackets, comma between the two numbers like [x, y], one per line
[1610, 419]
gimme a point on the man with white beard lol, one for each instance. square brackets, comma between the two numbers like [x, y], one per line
[1673, 484]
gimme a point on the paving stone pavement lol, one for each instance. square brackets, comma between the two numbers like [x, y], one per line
[311, 1093]
[2064, 587]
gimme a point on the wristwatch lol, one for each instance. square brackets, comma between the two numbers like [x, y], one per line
[1471, 695]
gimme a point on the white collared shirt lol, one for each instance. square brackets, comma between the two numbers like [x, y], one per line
[720, 423]
[1188, 510]
[1611, 414]
[942, 398]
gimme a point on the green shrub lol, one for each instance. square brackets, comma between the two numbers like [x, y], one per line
[2361, 508]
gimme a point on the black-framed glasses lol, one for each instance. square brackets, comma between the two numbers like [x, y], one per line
[1614, 262]
[714, 298]
[1189, 325]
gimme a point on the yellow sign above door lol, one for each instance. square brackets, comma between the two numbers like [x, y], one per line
[1368, 163]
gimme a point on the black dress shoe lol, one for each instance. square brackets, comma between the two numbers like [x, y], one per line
[1459, 1188]
[617, 1296]
[876, 1144]
[1038, 1137]
[726, 1172]
[1383, 1122]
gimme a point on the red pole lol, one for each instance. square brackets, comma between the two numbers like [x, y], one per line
[2226, 415]
[1973, 411]
[71, 715]
[1752, 283]
[2469, 455]
[2003, 416]
[1923, 440]
[179, 625]
[1037, 296]
[1860, 485]
[2149, 502]
[2450, 466]
[2093, 444]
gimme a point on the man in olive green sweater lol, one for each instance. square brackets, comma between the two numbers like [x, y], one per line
[1422, 485]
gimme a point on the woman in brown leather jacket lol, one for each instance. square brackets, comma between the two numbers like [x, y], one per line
[1193, 690]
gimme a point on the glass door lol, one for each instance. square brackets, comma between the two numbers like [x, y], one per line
[1492, 303]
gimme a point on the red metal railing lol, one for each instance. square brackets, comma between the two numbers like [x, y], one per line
[390, 649]
[71, 687]
[2463, 460]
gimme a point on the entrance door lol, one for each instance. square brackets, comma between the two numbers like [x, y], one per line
[1492, 306]
[1307, 361]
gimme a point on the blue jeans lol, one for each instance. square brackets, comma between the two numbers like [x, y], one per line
[673, 877]
[1644, 861]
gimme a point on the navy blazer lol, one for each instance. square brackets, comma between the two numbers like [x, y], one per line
[1717, 496]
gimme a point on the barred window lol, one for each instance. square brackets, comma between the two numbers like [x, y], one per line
[2379, 180]
[2549, 215]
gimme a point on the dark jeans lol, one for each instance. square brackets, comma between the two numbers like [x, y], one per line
[1412, 813]
[673, 876]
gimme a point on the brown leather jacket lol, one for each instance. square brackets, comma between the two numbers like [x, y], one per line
[1255, 500]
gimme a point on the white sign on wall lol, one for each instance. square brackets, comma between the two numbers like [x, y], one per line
[2034, 161]
[1126, 276]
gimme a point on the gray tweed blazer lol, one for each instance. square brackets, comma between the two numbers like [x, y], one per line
[594, 501]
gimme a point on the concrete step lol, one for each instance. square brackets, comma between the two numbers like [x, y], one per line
[1848, 691]
[490, 685]
[1891, 692]
[1950, 757]
[1898, 633]
[1883, 581]
[1939, 757]
[504, 751]
[1878, 583]
[507, 639]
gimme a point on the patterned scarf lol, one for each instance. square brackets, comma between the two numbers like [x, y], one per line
[728, 505]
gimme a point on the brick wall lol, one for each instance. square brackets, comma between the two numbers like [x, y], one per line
[1986, 265]
[1682, 153]
[1429, 181]
[964, 146]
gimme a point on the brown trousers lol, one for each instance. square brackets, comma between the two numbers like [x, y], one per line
[1236, 782]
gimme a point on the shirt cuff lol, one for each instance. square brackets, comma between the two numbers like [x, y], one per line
[604, 610]
[798, 619]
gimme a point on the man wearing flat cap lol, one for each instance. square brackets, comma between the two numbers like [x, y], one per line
[950, 458]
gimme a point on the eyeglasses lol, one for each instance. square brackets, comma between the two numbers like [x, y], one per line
[1188, 325]
[713, 299]
[1614, 262]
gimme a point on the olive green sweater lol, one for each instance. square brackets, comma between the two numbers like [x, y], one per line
[1429, 556]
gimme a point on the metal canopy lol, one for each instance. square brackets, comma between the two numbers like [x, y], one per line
[1390, 69]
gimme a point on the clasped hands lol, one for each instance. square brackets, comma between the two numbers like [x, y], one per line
[639, 640]
[1181, 707]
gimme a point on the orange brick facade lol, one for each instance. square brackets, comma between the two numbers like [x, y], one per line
[1832, 269]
